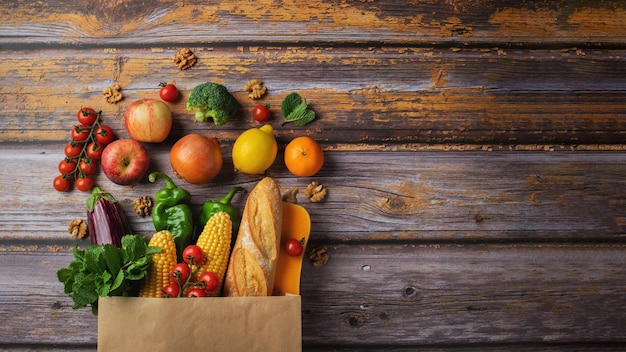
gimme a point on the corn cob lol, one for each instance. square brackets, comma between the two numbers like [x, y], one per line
[162, 263]
[215, 244]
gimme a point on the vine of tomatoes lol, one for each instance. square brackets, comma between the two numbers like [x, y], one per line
[83, 151]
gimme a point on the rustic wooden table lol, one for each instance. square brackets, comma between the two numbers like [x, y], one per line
[475, 159]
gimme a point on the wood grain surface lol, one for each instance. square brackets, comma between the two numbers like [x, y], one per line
[475, 159]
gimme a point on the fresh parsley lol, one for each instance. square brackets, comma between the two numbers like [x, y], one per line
[296, 110]
[106, 270]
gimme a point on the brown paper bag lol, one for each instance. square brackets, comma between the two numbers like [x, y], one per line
[201, 324]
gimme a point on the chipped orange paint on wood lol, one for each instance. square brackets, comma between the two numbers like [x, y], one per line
[279, 20]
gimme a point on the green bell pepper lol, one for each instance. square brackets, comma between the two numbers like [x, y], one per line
[172, 212]
[211, 207]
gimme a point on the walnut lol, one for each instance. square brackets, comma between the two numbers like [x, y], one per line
[319, 256]
[290, 195]
[78, 228]
[185, 58]
[255, 88]
[113, 94]
[315, 192]
[142, 205]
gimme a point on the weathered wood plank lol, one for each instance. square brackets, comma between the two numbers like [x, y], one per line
[463, 22]
[372, 196]
[375, 95]
[428, 295]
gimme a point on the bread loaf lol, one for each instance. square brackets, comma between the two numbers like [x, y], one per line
[252, 264]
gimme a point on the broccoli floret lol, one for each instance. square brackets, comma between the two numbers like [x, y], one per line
[212, 100]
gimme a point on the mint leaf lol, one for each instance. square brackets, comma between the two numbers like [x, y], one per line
[93, 260]
[296, 110]
[103, 284]
[290, 102]
[117, 283]
[112, 258]
[301, 115]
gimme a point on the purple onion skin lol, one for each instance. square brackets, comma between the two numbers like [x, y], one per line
[107, 223]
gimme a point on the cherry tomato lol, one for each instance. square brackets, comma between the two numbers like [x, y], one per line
[87, 116]
[73, 149]
[293, 247]
[61, 184]
[168, 92]
[196, 293]
[261, 113]
[67, 166]
[211, 281]
[84, 183]
[104, 134]
[80, 133]
[94, 150]
[180, 273]
[195, 252]
[87, 166]
[171, 290]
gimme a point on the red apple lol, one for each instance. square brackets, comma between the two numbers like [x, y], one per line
[148, 120]
[125, 161]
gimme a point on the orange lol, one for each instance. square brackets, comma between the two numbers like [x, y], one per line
[304, 156]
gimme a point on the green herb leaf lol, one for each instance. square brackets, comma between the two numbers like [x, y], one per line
[301, 115]
[290, 102]
[296, 110]
[112, 258]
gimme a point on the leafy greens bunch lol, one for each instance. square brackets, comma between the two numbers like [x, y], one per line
[106, 270]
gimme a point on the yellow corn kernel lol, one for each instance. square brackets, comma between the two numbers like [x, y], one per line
[215, 244]
[159, 273]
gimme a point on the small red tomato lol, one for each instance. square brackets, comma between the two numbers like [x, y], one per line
[80, 133]
[104, 134]
[94, 150]
[211, 281]
[196, 293]
[87, 166]
[171, 291]
[84, 183]
[168, 91]
[61, 184]
[180, 273]
[193, 252]
[73, 149]
[67, 166]
[293, 247]
[87, 116]
[261, 113]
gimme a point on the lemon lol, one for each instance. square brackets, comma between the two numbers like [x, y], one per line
[255, 150]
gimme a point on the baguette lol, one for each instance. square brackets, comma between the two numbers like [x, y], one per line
[252, 265]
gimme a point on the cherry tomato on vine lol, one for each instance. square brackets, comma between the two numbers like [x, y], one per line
[73, 149]
[180, 273]
[104, 134]
[196, 293]
[261, 113]
[211, 281]
[80, 133]
[67, 166]
[61, 184]
[168, 92]
[87, 166]
[87, 116]
[195, 252]
[293, 247]
[94, 151]
[171, 290]
[84, 183]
